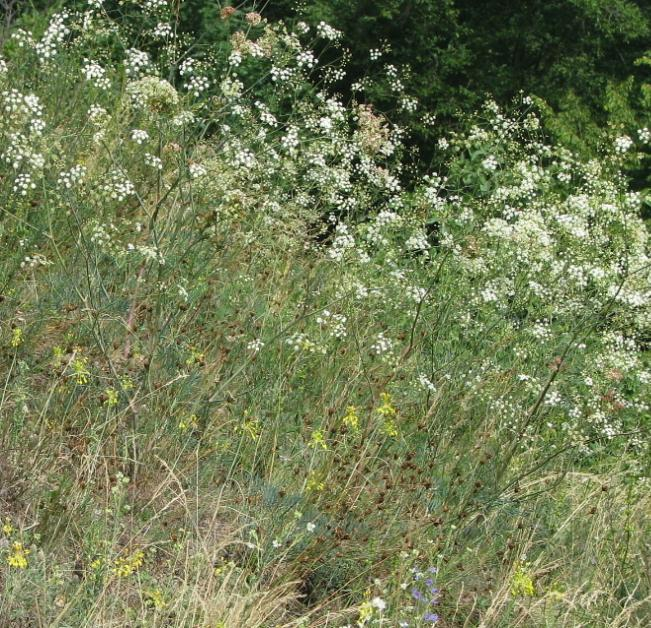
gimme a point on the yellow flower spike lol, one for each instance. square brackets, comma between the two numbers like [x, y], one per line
[7, 528]
[314, 483]
[318, 441]
[387, 408]
[351, 419]
[111, 397]
[57, 356]
[252, 428]
[390, 428]
[79, 370]
[18, 556]
[125, 566]
[365, 613]
[156, 598]
[388, 411]
[188, 423]
[17, 337]
[522, 584]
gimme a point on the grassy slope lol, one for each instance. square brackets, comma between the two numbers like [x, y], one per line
[158, 471]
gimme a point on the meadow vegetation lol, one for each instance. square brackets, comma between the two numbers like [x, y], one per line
[257, 370]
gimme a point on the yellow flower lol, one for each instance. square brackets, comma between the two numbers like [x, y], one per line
[196, 357]
[125, 566]
[7, 528]
[18, 556]
[387, 408]
[111, 397]
[351, 419]
[252, 428]
[390, 428]
[57, 355]
[16, 337]
[318, 440]
[188, 423]
[314, 483]
[388, 411]
[365, 613]
[521, 583]
[80, 372]
[155, 598]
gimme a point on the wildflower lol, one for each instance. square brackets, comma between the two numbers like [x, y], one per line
[490, 163]
[365, 613]
[314, 483]
[18, 556]
[79, 370]
[16, 337]
[310, 527]
[7, 528]
[387, 408]
[188, 423]
[251, 427]
[153, 93]
[125, 566]
[351, 419]
[156, 598]
[622, 144]
[111, 397]
[153, 161]
[254, 346]
[379, 603]
[521, 583]
[253, 18]
[139, 136]
[318, 441]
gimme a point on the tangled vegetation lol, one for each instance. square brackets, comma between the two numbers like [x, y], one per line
[259, 371]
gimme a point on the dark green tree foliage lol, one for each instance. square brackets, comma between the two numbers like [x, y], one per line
[577, 55]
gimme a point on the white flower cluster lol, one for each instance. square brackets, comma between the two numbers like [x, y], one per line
[622, 144]
[23, 110]
[139, 136]
[116, 187]
[156, 95]
[53, 37]
[382, 347]
[197, 170]
[94, 73]
[163, 30]
[97, 115]
[18, 152]
[255, 346]
[23, 183]
[137, 63]
[183, 119]
[333, 324]
[153, 6]
[153, 161]
[328, 32]
[73, 177]
[197, 85]
[301, 342]
[342, 242]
